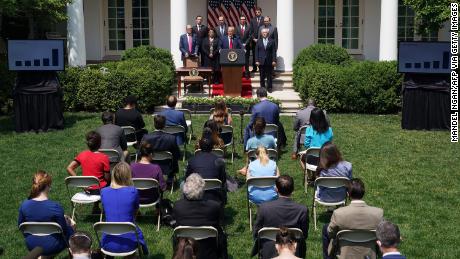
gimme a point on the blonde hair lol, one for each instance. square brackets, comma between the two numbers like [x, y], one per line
[121, 175]
[262, 154]
[40, 182]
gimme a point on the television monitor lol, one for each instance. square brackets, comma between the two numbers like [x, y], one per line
[426, 57]
[36, 55]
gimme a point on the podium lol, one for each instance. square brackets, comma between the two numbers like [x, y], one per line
[232, 62]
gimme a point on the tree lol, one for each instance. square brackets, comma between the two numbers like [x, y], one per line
[430, 14]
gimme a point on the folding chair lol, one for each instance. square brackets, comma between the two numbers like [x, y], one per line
[212, 184]
[330, 183]
[42, 229]
[260, 182]
[227, 129]
[116, 228]
[272, 154]
[131, 138]
[197, 233]
[357, 237]
[270, 234]
[164, 156]
[147, 184]
[176, 129]
[114, 156]
[215, 151]
[310, 169]
[188, 121]
[82, 197]
[272, 129]
[301, 131]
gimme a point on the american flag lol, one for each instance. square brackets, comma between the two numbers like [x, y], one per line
[231, 10]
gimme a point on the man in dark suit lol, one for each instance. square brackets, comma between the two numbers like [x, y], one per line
[270, 112]
[256, 22]
[357, 215]
[243, 31]
[188, 44]
[200, 31]
[174, 117]
[283, 212]
[221, 28]
[162, 141]
[266, 59]
[194, 210]
[230, 41]
[272, 31]
[388, 239]
[112, 136]
[209, 166]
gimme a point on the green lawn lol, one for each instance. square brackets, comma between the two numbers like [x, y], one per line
[413, 175]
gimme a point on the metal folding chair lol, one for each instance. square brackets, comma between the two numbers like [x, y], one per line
[176, 129]
[188, 121]
[82, 197]
[261, 182]
[147, 184]
[116, 228]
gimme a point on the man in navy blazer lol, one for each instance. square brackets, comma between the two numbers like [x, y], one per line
[230, 41]
[188, 43]
[174, 117]
[388, 239]
[270, 112]
[266, 59]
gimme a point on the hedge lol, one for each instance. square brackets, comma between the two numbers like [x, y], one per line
[103, 87]
[228, 100]
[362, 87]
[7, 79]
[144, 51]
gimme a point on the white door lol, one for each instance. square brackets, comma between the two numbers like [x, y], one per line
[340, 22]
[127, 24]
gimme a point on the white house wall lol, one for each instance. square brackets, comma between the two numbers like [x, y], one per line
[371, 29]
[93, 29]
[304, 24]
[161, 26]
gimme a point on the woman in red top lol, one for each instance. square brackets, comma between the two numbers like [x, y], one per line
[92, 162]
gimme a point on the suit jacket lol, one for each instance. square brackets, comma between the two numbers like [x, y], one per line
[272, 34]
[206, 47]
[112, 137]
[202, 33]
[174, 117]
[282, 212]
[265, 55]
[201, 213]
[246, 37]
[218, 32]
[162, 141]
[357, 215]
[225, 44]
[266, 109]
[183, 45]
[255, 26]
[302, 117]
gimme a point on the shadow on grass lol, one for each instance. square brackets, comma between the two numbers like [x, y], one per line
[229, 216]
[156, 256]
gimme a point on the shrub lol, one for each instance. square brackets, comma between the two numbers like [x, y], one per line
[322, 53]
[160, 54]
[7, 80]
[228, 100]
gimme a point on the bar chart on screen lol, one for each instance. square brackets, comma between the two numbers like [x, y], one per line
[36, 55]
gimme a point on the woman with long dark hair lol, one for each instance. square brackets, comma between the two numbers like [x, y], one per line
[186, 249]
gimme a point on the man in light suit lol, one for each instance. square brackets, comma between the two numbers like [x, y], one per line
[230, 41]
[221, 28]
[188, 44]
[243, 31]
[256, 22]
[266, 59]
[174, 117]
[272, 31]
[270, 112]
[357, 215]
[200, 31]
[388, 239]
[302, 118]
[283, 212]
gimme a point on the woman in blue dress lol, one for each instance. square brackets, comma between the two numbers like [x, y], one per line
[260, 167]
[121, 202]
[38, 208]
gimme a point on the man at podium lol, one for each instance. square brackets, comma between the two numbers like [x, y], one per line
[230, 41]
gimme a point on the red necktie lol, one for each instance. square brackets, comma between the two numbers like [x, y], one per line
[231, 43]
[190, 44]
[242, 31]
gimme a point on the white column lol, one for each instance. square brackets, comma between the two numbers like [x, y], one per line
[388, 30]
[76, 34]
[178, 22]
[285, 24]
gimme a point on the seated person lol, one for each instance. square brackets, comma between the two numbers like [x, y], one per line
[80, 245]
[388, 239]
[38, 208]
[121, 202]
[93, 163]
[130, 116]
[282, 212]
[145, 169]
[221, 114]
[285, 244]
[186, 248]
[302, 118]
[162, 141]
[174, 117]
[113, 136]
[212, 132]
[209, 166]
[318, 133]
[193, 210]
[262, 166]
[331, 164]
[260, 138]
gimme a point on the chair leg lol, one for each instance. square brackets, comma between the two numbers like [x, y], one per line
[233, 150]
[250, 219]
[185, 152]
[314, 215]
[73, 211]
[158, 220]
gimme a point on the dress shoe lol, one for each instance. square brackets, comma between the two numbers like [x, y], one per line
[270, 90]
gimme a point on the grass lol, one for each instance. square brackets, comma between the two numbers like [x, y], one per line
[413, 175]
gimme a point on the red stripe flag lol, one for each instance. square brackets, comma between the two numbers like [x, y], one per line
[231, 10]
